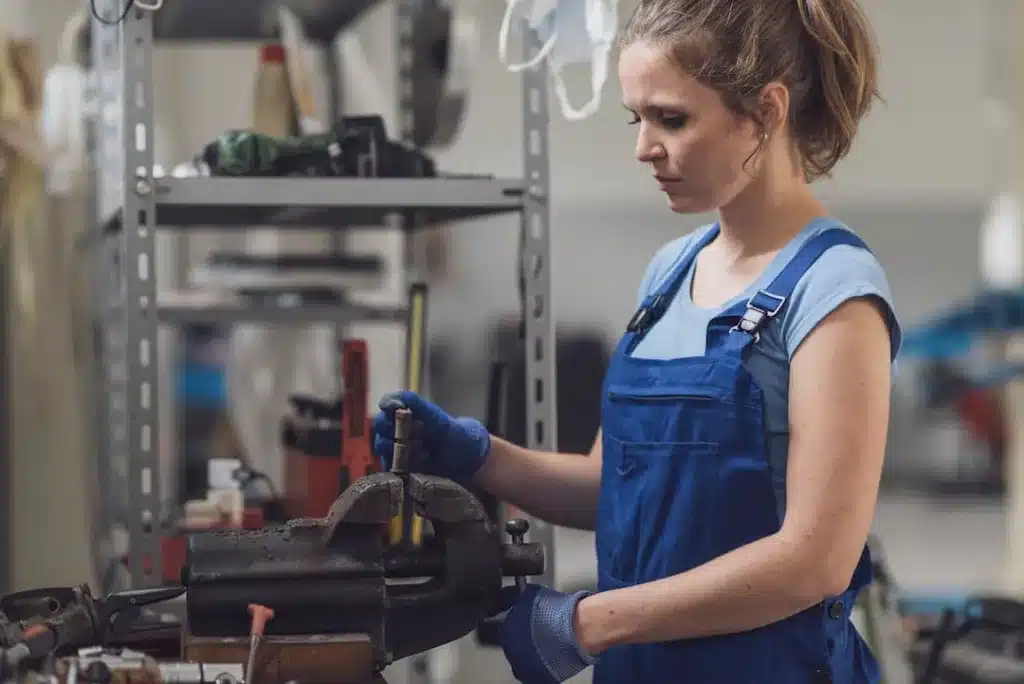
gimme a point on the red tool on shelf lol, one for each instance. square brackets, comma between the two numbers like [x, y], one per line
[357, 458]
[325, 455]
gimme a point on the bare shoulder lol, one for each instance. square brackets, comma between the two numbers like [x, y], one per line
[852, 341]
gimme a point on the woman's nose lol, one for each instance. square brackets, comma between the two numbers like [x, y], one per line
[648, 148]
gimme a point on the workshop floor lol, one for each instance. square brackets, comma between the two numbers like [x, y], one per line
[935, 546]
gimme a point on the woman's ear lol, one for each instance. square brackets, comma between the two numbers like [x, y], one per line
[773, 107]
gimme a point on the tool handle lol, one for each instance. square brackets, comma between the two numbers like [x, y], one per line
[261, 615]
[356, 436]
[407, 526]
[488, 632]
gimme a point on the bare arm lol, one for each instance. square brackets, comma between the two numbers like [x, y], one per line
[839, 413]
[559, 488]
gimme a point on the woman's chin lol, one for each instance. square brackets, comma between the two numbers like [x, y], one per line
[684, 204]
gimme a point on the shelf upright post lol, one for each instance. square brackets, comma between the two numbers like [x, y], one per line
[405, 18]
[541, 404]
[408, 221]
[141, 322]
[108, 161]
[103, 156]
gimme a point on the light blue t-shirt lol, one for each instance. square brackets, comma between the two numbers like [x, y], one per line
[841, 273]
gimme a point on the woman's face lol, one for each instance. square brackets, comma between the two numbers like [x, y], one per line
[694, 145]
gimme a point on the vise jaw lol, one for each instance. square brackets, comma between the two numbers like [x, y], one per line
[338, 576]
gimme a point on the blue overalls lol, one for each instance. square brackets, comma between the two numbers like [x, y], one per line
[686, 478]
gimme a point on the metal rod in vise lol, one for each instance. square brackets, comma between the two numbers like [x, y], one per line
[403, 434]
[401, 457]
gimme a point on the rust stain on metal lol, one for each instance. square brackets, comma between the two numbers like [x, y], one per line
[327, 659]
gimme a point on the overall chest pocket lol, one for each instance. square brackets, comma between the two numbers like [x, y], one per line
[668, 415]
[660, 481]
[657, 498]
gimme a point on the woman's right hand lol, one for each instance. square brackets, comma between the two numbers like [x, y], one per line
[449, 447]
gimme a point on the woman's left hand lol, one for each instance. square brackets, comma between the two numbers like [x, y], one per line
[538, 637]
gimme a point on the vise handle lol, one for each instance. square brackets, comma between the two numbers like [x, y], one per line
[488, 632]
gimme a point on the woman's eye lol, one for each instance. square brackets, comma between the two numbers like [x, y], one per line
[673, 121]
[665, 120]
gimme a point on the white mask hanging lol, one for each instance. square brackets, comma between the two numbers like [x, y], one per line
[572, 32]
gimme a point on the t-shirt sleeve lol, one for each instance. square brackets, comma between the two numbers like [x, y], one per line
[840, 274]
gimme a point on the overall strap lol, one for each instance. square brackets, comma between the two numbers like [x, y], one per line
[656, 303]
[768, 303]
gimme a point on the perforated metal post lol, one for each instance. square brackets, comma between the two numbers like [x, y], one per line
[107, 163]
[405, 16]
[541, 404]
[99, 386]
[136, 431]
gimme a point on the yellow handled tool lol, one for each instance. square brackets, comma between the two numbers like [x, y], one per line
[416, 346]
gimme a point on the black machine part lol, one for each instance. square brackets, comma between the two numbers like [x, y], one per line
[338, 575]
[314, 408]
[357, 147]
[950, 654]
[62, 619]
[438, 111]
[314, 426]
[965, 663]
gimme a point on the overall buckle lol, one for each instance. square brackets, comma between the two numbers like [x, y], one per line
[646, 315]
[759, 313]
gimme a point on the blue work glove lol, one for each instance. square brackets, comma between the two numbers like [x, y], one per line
[445, 446]
[537, 635]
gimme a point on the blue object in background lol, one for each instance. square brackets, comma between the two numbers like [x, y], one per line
[926, 343]
[954, 332]
[925, 604]
[202, 386]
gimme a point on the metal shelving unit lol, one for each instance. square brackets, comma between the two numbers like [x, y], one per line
[131, 205]
[183, 308]
[228, 203]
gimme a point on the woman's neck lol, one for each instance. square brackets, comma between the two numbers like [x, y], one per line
[767, 215]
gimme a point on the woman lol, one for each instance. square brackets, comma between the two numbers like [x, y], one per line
[745, 411]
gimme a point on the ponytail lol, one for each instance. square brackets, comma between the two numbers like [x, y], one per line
[844, 49]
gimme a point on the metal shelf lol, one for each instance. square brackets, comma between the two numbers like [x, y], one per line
[225, 308]
[200, 307]
[226, 203]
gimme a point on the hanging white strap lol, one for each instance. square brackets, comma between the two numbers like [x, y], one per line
[74, 29]
[503, 33]
[598, 76]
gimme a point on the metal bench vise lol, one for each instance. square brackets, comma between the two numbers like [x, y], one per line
[346, 602]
